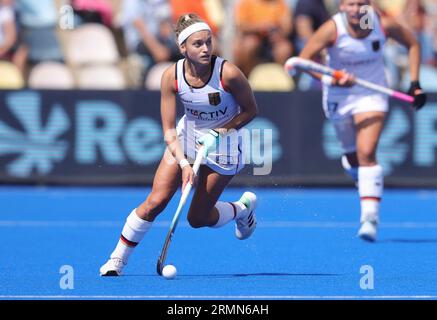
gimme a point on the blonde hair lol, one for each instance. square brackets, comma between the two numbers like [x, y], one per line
[185, 21]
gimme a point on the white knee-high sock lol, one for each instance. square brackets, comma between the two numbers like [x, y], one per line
[370, 188]
[228, 211]
[133, 232]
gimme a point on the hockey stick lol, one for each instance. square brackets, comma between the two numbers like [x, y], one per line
[307, 65]
[185, 194]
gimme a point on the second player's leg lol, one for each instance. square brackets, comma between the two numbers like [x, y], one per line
[369, 126]
[346, 134]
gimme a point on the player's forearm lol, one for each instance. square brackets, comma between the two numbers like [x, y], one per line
[414, 60]
[173, 144]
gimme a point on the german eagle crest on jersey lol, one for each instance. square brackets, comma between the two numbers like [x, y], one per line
[214, 98]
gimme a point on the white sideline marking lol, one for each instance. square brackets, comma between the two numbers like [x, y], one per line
[255, 297]
[261, 224]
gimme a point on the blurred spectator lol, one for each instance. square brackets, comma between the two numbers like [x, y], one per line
[8, 31]
[38, 22]
[332, 6]
[291, 3]
[431, 9]
[181, 7]
[148, 31]
[392, 8]
[93, 11]
[263, 28]
[227, 30]
[309, 15]
[414, 15]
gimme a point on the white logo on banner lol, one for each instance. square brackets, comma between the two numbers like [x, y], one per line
[37, 146]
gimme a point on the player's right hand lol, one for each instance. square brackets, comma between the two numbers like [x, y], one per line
[347, 80]
[188, 176]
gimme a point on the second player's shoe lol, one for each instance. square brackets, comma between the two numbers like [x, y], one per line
[368, 231]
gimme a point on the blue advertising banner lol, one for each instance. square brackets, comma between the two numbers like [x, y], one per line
[115, 137]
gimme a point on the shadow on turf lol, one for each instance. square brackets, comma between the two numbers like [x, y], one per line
[260, 274]
[415, 241]
[263, 274]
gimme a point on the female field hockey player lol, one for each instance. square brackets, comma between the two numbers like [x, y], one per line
[218, 101]
[354, 40]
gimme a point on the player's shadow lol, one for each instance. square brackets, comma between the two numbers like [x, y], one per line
[414, 241]
[280, 274]
[242, 275]
[264, 274]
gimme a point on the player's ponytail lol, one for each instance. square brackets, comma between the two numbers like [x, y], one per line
[185, 21]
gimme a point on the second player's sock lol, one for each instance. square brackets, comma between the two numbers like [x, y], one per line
[370, 187]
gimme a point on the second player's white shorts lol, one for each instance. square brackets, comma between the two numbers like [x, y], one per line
[341, 111]
[341, 107]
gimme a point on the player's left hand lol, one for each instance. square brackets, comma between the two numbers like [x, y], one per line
[209, 141]
[419, 96]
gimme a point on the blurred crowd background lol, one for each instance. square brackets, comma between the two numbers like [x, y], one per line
[126, 44]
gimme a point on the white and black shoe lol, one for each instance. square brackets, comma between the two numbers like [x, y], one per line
[245, 224]
[112, 268]
[368, 231]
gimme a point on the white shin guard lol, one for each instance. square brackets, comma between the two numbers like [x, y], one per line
[370, 188]
[133, 232]
[135, 228]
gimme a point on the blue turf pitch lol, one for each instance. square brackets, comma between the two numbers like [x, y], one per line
[305, 247]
